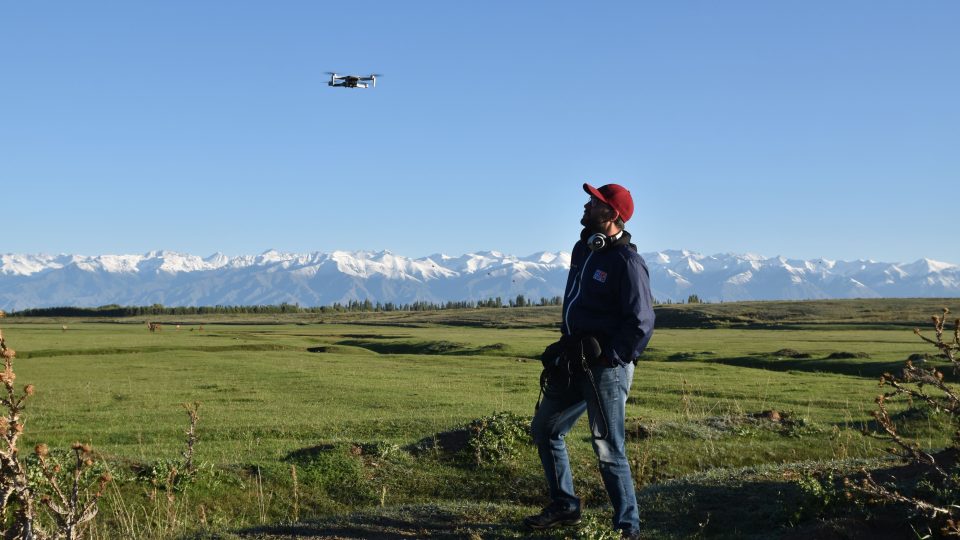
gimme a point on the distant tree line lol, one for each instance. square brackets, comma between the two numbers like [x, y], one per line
[692, 299]
[115, 310]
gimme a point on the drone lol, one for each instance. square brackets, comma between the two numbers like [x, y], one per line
[353, 81]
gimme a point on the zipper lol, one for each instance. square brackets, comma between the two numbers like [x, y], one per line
[573, 286]
[566, 316]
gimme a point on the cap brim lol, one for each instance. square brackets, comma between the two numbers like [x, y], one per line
[595, 193]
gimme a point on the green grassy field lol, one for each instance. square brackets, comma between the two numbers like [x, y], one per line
[346, 400]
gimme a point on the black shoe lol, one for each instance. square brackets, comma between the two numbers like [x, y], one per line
[624, 535]
[553, 516]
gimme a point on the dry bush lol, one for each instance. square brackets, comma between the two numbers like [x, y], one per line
[58, 503]
[928, 485]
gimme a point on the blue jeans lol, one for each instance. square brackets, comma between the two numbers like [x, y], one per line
[562, 405]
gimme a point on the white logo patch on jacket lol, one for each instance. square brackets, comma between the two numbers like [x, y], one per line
[600, 276]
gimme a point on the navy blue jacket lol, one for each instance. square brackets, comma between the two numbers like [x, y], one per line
[608, 297]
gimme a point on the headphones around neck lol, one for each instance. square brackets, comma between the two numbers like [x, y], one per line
[600, 241]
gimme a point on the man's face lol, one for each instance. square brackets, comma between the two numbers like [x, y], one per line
[596, 213]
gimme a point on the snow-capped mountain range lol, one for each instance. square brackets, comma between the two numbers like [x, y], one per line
[312, 279]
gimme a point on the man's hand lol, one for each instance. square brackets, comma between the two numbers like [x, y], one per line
[593, 352]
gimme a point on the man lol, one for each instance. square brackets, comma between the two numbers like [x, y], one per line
[607, 322]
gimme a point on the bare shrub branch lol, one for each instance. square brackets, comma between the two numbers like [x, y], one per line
[193, 412]
[871, 487]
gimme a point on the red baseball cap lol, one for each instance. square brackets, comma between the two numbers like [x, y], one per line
[614, 195]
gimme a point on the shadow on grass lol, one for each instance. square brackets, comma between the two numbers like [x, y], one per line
[742, 503]
[419, 521]
[424, 347]
[916, 421]
[735, 508]
[309, 453]
[751, 504]
[857, 368]
[376, 336]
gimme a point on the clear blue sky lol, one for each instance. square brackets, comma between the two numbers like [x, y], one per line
[802, 129]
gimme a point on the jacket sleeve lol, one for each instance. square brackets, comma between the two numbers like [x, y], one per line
[636, 313]
[576, 261]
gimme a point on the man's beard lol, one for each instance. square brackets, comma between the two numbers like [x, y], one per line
[594, 226]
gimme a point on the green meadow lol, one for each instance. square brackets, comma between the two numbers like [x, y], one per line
[352, 425]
